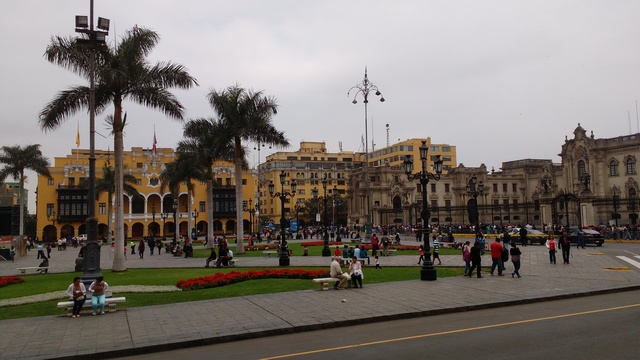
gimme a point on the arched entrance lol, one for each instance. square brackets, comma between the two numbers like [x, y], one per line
[66, 230]
[137, 231]
[49, 233]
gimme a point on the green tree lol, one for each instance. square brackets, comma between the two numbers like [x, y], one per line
[184, 169]
[122, 72]
[206, 140]
[246, 116]
[16, 160]
[107, 183]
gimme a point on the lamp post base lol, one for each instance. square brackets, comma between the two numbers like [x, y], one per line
[284, 259]
[428, 271]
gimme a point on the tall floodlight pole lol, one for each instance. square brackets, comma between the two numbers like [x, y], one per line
[364, 88]
[95, 38]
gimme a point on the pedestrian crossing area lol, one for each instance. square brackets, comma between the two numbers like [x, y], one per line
[631, 261]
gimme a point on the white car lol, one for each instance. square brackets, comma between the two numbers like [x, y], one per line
[81, 238]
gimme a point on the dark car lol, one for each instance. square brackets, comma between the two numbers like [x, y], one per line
[591, 237]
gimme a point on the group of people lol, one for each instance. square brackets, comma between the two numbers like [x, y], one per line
[564, 244]
[78, 293]
[223, 256]
[472, 256]
[355, 274]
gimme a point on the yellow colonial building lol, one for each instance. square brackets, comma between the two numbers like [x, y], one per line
[62, 200]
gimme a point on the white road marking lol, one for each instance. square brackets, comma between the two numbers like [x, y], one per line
[630, 261]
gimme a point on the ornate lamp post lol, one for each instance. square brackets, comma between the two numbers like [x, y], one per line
[164, 217]
[364, 88]
[195, 214]
[616, 205]
[333, 208]
[94, 40]
[474, 189]
[586, 181]
[283, 195]
[428, 272]
[153, 220]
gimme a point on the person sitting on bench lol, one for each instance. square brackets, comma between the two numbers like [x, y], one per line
[44, 264]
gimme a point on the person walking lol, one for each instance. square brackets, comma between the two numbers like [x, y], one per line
[565, 245]
[523, 236]
[476, 259]
[466, 256]
[77, 292]
[421, 252]
[152, 244]
[40, 252]
[12, 253]
[436, 250]
[377, 262]
[97, 289]
[141, 248]
[496, 257]
[515, 259]
[551, 245]
[133, 248]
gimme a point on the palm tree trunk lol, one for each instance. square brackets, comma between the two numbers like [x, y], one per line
[118, 147]
[109, 215]
[209, 213]
[240, 225]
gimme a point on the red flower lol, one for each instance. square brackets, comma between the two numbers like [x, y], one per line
[232, 277]
[8, 280]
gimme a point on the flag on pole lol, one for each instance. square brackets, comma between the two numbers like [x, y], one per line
[78, 136]
[154, 140]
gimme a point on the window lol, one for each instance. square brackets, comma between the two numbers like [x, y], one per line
[495, 187]
[433, 188]
[631, 166]
[244, 181]
[514, 187]
[447, 205]
[72, 182]
[446, 149]
[50, 210]
[515, 204]
[419, 188]
[613, 168]
[434, 148]
[139, 165]
[102, 208]
[446, 188]
[138, 182]
[228, 181]
[50, 182]
[582, 169]
[300, 191]
[506, 204]
[504, 187]
[202, 207]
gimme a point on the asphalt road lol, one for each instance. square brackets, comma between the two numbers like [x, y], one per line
[595, 327]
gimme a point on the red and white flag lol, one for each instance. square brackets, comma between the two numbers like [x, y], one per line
[154, 140]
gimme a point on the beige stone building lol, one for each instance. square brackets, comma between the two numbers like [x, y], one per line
[596, 179]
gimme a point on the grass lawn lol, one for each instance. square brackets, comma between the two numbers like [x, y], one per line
[34, 284]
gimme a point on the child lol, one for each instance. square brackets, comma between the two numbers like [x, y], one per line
[421, 251]
[375, 258]
[436, 255]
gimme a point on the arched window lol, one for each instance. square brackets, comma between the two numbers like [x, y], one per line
[613, 168]
[631, 166]
[581, 169]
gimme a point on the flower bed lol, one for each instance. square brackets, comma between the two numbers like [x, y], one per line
[8, 280]
[260, 247]
[366, 246]
[221, 279]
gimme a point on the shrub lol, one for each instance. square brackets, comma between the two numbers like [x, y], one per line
[221, 279]
[8, 280]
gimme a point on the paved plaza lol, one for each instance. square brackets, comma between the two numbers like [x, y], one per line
[155, 328]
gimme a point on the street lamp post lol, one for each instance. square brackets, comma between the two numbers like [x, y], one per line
[324, 201]
[94, 40]
[616, 205]
[249, 209]
[195, 214]
[428, 271]
[153, 221]
[283, 195]
[364, 88]
[333, 208]
[474, 189]
[175, 221]
[164, 217]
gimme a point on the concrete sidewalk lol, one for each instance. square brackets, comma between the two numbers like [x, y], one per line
[156, 328]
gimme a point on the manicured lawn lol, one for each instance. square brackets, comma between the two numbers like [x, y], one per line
[36, 284]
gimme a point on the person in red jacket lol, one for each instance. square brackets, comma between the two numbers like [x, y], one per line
[496, 257]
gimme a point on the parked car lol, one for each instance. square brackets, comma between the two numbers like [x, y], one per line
[591, 237]
[533, 236]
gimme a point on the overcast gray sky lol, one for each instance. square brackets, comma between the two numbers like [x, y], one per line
[501, 80]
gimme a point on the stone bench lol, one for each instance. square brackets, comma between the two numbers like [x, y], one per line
[34, 268]
[233, 262]
[346, 261]
[324, 282]
[270, 252]
[110, 305]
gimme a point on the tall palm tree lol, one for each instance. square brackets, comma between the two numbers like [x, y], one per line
[246, 115]
[16, 160]
[107, 183]
[184, 169]
[207, 141]
[122, 72]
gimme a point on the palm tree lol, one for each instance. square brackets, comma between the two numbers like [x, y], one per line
[122, 72]
[107, 183]
[18, 159]
[207, 141]
[246, 115]
[184, 169]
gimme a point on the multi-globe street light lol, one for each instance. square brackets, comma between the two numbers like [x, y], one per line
[364, 88]
[428, 271]
[326, 251]
[474, 188]
[95, 39]
[283, 195]
[164, 217]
